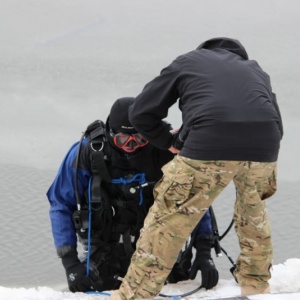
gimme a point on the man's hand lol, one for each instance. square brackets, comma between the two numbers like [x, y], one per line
[79, 282]
[209, 273]
[174, 131]
[173, 150]
[76, 275]
[204, 263]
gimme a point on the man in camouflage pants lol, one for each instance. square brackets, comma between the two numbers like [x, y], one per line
[231, 132]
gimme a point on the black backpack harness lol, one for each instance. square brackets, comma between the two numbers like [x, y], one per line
[99, 154]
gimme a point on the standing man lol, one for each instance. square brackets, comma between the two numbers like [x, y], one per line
[231, 132]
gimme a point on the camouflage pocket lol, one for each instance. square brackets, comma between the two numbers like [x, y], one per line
[176, 187]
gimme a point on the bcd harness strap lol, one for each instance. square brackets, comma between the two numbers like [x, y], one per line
[97, 134]
[98, 166]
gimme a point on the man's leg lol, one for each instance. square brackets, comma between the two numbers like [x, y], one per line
[203, 240]
[254, 182]
[181, 198]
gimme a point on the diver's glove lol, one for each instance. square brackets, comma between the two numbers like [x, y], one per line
[203, 262]
[76, 274]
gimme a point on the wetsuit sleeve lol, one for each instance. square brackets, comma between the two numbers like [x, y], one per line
[61, 196]
[152, 105]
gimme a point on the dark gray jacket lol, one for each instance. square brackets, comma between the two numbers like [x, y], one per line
[228, 109]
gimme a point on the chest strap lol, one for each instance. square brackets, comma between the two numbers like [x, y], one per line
[99, 172]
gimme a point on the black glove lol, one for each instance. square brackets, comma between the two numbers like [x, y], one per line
[76, 274]
[204, 263]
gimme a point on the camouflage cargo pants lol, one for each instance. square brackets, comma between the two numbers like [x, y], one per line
[182, 196]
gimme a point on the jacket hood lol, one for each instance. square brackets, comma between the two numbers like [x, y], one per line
[225, 43]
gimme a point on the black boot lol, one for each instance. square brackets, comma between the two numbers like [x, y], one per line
[203, 262]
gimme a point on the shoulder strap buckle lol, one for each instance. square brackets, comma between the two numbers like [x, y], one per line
[97, 145]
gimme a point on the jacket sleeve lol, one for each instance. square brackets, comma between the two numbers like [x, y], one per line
[152, 105]
[61, 196]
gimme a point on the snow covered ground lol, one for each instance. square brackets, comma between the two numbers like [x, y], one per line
[285, 285]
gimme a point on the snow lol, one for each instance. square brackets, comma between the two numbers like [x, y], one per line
[285, 285]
